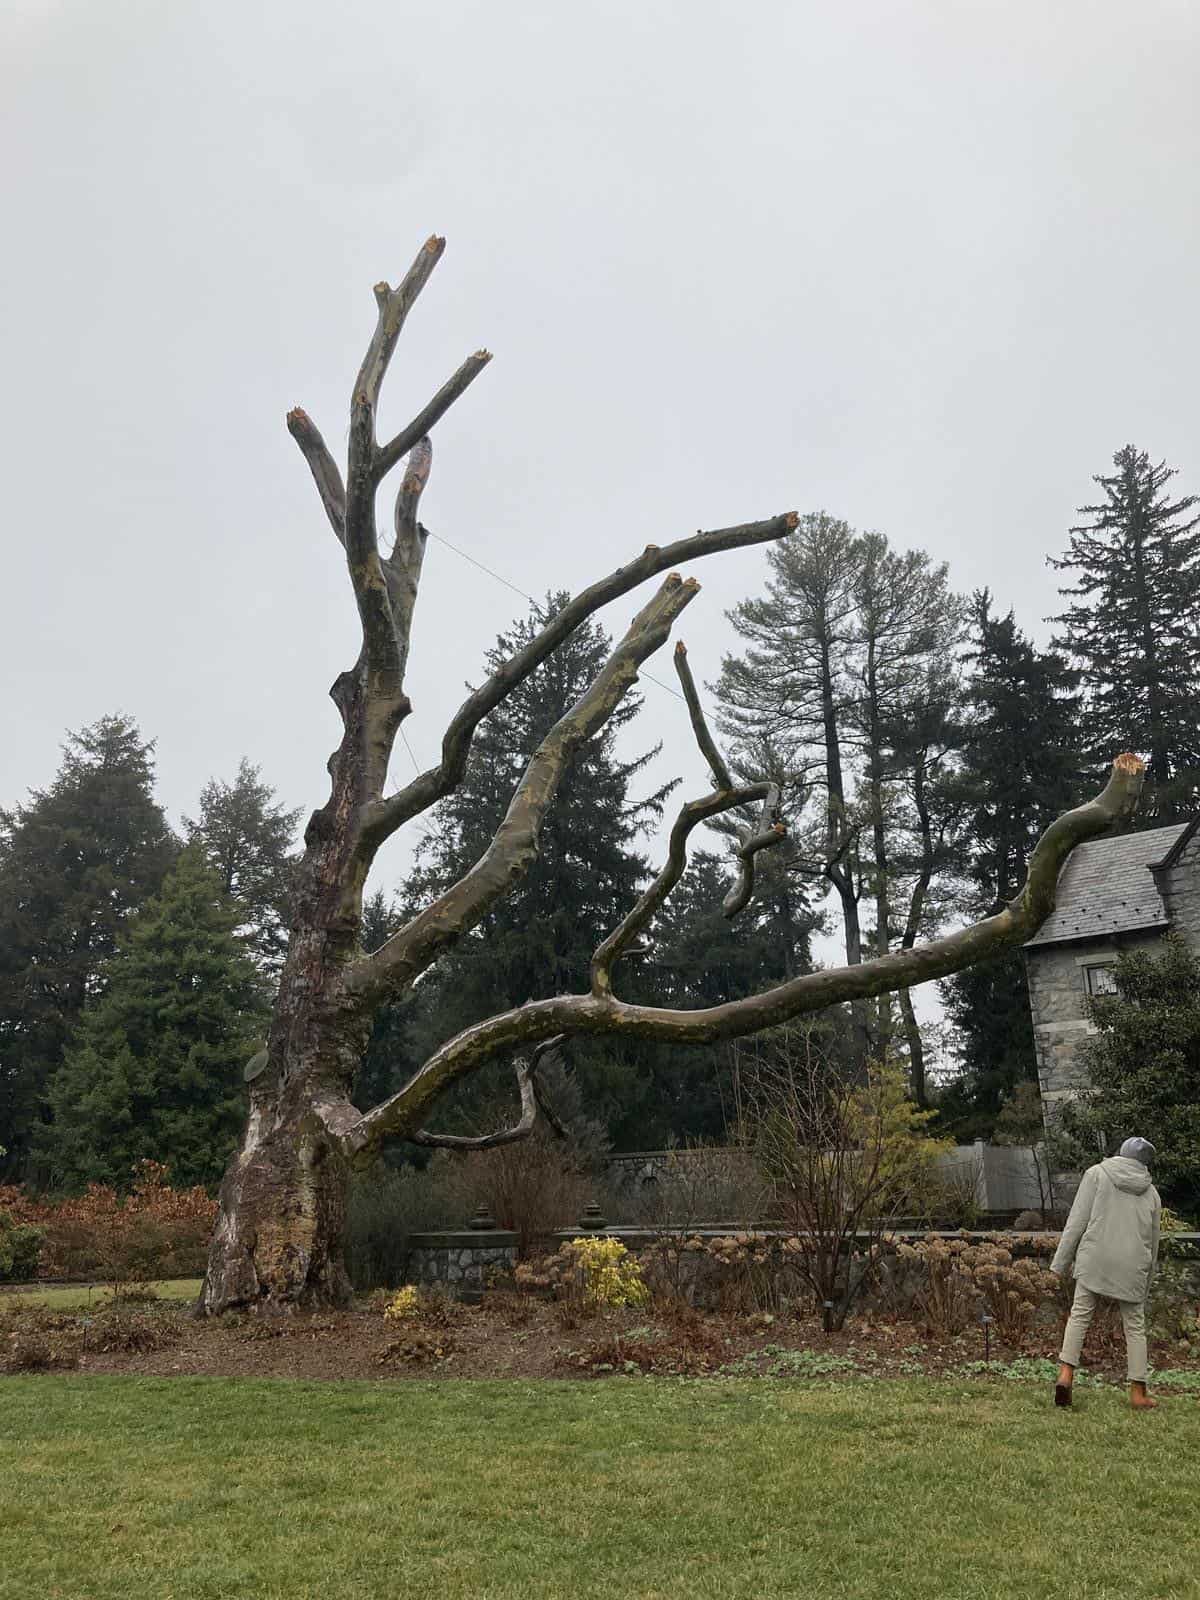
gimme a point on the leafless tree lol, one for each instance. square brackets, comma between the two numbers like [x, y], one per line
[278, 1239]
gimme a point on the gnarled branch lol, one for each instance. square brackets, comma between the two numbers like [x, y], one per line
[532, 1101]
[771, 831]
[708, 745]
[603, 1014]
[621, 941]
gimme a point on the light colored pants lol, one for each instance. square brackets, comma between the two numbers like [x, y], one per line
[1133, 1318]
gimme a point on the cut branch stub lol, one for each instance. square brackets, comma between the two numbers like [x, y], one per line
[323, 467]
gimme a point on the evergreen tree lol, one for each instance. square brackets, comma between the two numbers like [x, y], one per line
[1143, 1066]
[698, 957]
[846, 652]
[155, 1070]
[1021, 767]
[1134, 628]
[75, 861]
[246, 839]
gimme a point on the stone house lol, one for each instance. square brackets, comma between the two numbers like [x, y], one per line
[1114, 895]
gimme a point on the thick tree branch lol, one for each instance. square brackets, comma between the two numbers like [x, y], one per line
[323, 467]
[602, 1014]
[515, 845]
[402, 569]
[394, 306]
[433, 784]
[387, 455]
[620, 941]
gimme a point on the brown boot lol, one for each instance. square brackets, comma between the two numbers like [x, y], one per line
[1139, 1399]
[1062, 1388]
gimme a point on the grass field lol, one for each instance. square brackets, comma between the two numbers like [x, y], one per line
[193, 1489]
[79, 1296]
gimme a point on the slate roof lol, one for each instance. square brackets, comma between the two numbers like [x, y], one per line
[1106, 887]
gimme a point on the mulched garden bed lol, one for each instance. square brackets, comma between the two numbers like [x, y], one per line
[515, 1336]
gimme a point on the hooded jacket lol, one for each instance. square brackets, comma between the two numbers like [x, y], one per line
[1111, 1235]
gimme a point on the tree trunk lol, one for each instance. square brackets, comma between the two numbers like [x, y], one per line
[916, 1048]
[278, 1242]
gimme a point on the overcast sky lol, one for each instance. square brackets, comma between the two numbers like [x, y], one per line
[923, 265]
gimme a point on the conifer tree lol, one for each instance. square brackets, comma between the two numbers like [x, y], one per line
[1133, 627]
[155, 1069]
[75, 861]
[841, 652]
[247, 839]
[1021, 767]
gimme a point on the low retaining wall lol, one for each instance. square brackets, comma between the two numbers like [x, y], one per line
[460, 1262]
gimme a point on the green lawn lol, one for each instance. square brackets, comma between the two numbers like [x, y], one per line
[79, 1296]
[186, 1489]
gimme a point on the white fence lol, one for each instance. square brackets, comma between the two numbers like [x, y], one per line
[1004, 1177]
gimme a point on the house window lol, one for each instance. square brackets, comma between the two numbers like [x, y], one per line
[1100, 980]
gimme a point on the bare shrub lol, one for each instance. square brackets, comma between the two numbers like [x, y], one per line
[535, 1188]
[844, 1156]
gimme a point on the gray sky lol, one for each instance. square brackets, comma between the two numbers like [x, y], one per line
[924, 265]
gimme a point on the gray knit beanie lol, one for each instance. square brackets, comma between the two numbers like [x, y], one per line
[1138, 1150]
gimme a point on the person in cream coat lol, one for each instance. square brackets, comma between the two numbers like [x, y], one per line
[1111, 1243]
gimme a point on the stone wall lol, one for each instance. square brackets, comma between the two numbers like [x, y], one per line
[1058, 1000]
[460, 1262]
[1180, 890]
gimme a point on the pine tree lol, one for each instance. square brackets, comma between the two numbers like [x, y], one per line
[155, 1069]
[1021, 767]
[247, 840]
[841, 652]
[1134, 628]
[75, 861]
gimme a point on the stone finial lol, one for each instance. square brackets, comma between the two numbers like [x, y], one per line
[592, 1220]
[482, 1220]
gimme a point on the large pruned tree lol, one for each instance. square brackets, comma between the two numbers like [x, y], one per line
[278, 1239]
